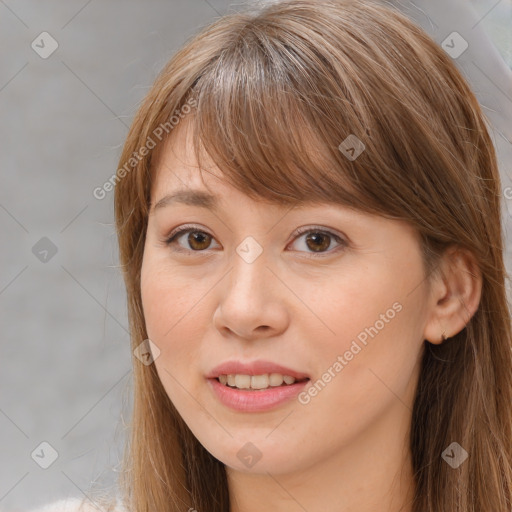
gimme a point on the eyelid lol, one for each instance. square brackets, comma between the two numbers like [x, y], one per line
[322, 229]
[182, 228]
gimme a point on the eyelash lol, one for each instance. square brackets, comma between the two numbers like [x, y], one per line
[172, 239]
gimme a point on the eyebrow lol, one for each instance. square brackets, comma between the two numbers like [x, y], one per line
[190, 197]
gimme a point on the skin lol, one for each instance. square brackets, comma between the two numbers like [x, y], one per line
[347, 449]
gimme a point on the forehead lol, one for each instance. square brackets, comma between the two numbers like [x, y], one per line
[175, 164]
[178, 179]
[175, 170]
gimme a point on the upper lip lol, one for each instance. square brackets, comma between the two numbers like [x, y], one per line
[258, 367]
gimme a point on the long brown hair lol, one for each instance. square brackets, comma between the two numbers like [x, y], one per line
[272, 92]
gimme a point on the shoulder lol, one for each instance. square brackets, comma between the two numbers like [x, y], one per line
[75, 505]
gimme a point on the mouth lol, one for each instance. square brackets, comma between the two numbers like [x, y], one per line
[247, 399]
[255, 386]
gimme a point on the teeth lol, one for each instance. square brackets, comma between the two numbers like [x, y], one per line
[275, 379]
[242, 381]
[259, 381]
[256, 381]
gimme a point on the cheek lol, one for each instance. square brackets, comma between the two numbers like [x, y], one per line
[371, 338]
[357, 298]
[174, 313]
[175, 320]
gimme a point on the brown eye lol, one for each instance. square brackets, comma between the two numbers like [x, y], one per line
[195, 241]
[198, 240]
[317, 241]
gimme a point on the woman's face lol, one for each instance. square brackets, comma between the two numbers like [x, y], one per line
[343, 303]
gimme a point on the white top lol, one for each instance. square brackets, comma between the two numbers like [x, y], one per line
[72, 505]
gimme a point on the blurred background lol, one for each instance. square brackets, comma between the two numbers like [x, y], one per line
[71, 76]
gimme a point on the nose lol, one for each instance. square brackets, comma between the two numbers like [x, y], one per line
[252, 301]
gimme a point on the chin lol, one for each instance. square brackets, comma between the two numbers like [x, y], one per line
[256, 453]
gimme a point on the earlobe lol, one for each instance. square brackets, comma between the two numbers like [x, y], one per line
[455, 295]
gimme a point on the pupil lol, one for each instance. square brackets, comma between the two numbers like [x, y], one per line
[318, 237]
[197, 238]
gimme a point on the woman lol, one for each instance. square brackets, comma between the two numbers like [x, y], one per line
[308, 213]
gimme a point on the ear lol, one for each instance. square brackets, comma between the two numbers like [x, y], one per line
[454, 295]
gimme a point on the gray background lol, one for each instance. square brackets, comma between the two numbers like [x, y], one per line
[65, 363]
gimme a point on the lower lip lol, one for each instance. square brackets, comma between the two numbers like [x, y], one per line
[258, 400]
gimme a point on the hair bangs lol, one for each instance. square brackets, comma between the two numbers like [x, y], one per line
[266, 123]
